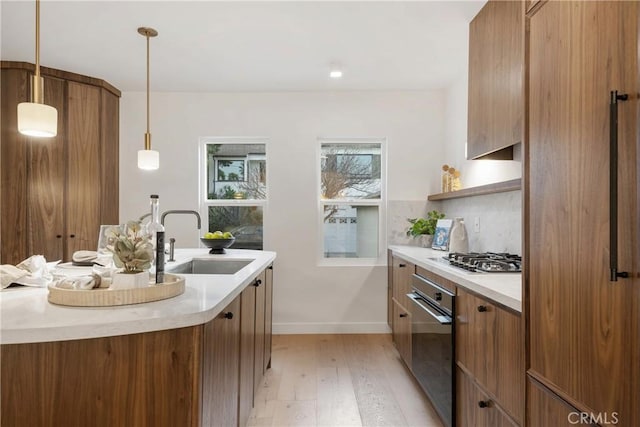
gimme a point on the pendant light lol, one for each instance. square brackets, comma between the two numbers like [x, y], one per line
[148, 159]
[35, 118]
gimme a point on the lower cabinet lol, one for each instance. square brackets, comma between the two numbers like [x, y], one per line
[544, 408]
[490, 347]
[401, 324]
[247, 353]
[475, 408]
[268, 316]
[261, 297]
[220, 367]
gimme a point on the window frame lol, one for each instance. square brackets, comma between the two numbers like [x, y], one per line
[381, 203]
[203, 194]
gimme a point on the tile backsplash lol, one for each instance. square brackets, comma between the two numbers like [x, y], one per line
[500, 217]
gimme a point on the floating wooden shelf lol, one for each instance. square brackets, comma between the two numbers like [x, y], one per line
[498, 187]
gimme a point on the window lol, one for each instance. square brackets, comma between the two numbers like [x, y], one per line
[351, 189]
[234, 182]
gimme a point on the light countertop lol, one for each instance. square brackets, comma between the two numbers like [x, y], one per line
[26, 316]
[503, 288]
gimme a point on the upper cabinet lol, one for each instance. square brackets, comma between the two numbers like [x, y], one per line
[57, 191]
[496, 96]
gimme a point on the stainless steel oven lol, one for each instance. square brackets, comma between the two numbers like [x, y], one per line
[432, 344]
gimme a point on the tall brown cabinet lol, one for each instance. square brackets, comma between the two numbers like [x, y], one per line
[582, 327]
[57, 191]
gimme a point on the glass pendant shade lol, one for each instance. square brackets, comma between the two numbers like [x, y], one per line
[37, 119]
[148, 159]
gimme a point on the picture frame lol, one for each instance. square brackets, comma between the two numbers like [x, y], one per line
[441, 235]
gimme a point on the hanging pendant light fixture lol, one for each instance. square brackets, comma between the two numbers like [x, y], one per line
[148, 159]
[35, 118]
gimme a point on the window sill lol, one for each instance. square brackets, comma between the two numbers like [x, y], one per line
[497, 187]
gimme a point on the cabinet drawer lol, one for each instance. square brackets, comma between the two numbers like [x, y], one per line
[402, 276]
[489, 345]
[475, 408]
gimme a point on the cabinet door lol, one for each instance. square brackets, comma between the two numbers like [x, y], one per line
[583, 328]
[247, 353]
[46, 194]
[260, 330]
[544, 408]
[402, 276]
[402, 332]
[83, 168]
[15, 89]
[268, 316]
[475, 408]
[109, 162]
[389, 288]
[496, 62]
[490, 346]
[220, 365]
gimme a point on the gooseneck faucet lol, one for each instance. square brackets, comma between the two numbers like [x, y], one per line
[164, 214]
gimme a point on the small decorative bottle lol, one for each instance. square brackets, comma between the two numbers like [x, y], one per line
[451, 176]
[458, 240]
[445, 178]
[156, 229]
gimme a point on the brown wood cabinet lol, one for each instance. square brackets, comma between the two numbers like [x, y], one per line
[149, 379]
[490, 348]
[476, 408]
[195, 376]
[268, 316]
[258, 372]
[58, 191]
[247, 353]
[544, 408]
[496, 70]
[401, 326]
[582, 327]
[220, 365]
[401, 273]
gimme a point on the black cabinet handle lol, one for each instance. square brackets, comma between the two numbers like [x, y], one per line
[402, 265]
[270, 267]
[72, 235]
[482, 308]
[58, 236]
[483, 404]
[228, 315]
[613, 186]
[403, 314]
[257, 283]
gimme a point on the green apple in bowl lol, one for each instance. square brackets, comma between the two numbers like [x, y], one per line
[227, 235]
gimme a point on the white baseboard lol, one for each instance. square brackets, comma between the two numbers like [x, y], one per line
[331, 328]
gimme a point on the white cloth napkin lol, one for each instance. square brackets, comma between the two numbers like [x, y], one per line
[37, 272]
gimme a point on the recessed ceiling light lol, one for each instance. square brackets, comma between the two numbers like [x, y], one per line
[335, 74]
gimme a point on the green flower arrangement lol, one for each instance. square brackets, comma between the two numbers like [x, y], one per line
[420, 226]
[132, 249]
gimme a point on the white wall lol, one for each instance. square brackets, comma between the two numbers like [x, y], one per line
[307, 298]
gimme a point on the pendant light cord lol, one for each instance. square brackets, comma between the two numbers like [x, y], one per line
[148, 127]
[37, 39]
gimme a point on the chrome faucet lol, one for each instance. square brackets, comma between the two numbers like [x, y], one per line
[164, 214]
[142, 217]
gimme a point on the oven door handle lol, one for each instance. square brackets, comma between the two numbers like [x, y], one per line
[442, 319]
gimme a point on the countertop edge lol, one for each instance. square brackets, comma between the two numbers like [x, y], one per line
[465, 281]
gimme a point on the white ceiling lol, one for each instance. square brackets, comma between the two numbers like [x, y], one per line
[247, 46]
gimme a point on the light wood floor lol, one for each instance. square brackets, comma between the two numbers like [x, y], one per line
[339, 380]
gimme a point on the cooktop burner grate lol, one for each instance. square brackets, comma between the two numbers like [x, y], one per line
[488, 262]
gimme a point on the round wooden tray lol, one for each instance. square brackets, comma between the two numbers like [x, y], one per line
[172, 286]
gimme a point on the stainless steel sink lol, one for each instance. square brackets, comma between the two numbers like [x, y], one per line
[210, 266]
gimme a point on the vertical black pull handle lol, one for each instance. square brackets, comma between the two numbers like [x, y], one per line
[613, 186]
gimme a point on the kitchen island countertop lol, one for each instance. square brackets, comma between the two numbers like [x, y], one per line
[27, 317]
[502, 288]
